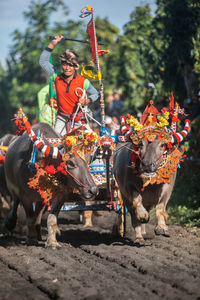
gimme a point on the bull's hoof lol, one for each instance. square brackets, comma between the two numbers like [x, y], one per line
[139, 241]
[52, 245]
[87, 224]
[10, 222]
[162, 231]
[31, 242]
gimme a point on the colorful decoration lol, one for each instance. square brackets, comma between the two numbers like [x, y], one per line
[133, 122]
[2, 159]
[156, 125]
[107, 141]
[166, 169]
[47, 180]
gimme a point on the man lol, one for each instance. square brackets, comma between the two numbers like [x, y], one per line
[66, 84]
[116, 107]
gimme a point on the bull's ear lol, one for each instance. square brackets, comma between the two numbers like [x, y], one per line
[70, 164]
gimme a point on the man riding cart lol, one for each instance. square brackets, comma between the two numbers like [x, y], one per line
[67, 84]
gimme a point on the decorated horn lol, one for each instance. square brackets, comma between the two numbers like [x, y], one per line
[125, 129]
[178, 137]
[48, 151]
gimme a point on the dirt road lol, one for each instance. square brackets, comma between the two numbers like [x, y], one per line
[93, 265]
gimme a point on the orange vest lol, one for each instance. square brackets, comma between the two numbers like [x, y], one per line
[65, 94]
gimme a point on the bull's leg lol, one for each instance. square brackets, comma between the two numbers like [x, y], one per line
[31, 220]
[39, 212]
[162, 216]
[52, 231]
[87, 218]
[137, 227]
[4, 207]
[52, 225]
[143, 229]
[11, 218]
[140, 212]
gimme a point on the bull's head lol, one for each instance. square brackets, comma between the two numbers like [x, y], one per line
[151, 155]
[152, 146]
[67, 161]
[79, 177]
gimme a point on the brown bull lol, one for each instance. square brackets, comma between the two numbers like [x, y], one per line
[145, 170]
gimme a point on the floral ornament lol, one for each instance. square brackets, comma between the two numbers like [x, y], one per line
[133, 122]
[163, 119]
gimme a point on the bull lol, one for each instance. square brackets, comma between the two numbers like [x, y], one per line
[137, 165]
[18, 174]
[5, 198]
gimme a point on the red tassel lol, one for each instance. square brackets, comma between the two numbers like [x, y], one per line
[2, 159]
[50, 169]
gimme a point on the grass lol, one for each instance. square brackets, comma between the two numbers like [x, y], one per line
[184, 205]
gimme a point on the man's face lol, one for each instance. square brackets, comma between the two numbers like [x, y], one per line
[68, 69]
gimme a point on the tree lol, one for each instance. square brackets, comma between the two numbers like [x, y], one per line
[137, 56]
[181, 20]
[24, 74]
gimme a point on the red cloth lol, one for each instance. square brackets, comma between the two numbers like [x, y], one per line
[90, 32]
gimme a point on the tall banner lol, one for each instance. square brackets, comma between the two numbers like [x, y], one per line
[96, 52]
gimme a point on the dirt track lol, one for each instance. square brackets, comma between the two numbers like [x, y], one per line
[93, 265]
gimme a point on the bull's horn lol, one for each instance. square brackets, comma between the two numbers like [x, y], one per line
[125, 130]
[48, 151]
[179, 136]
[124, 126]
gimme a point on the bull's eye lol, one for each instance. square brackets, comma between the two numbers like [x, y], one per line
[70, 164]
[162, 145]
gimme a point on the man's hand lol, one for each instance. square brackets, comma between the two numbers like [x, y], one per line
[84, 102]
[58, 39]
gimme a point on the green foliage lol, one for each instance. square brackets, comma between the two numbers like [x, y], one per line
[136, 56]
[184, 205]
[184, 215]
[181, 21]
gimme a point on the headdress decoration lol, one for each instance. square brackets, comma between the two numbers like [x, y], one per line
[70, 57]
[157, 125]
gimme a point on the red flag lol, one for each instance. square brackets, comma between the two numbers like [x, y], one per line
[90, 32]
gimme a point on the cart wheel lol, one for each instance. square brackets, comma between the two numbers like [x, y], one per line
[119, 228]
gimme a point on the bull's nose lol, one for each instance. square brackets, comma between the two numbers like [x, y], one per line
[148, 166]
[94, 190]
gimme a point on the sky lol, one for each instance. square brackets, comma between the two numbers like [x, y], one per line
[11, 15]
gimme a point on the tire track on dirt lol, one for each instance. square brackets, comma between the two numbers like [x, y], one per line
[15, 286]
[154, 277]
